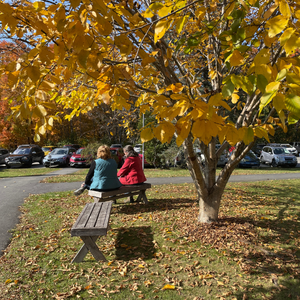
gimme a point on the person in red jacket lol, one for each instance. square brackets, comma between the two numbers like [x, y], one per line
[132, 170]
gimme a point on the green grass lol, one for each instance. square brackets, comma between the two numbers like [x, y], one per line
[172, 172]
[17, 172]
[252, 253]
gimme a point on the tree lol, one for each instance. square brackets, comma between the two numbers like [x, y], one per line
[217, 71]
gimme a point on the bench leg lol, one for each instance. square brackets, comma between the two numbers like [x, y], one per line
[89, 245]
[142, 196]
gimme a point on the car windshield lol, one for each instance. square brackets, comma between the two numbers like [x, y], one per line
[251, 154]
[22, 151]
[46, 149]
[280, 151]
[79, 151]
[59, 152]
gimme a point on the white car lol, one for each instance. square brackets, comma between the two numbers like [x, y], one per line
[138, 148]
[277, 156]
[290, 148]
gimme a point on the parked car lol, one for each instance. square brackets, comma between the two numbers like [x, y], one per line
[138, 148]
[277, 156]
[116, 146]
[257, 149]
[59, 157]
[250, 160]
[76, 146]
[223, 159]
[78, 160]
[117, 154]
[47, 149]
[297, 146]
[25, 155]
[290, 148]
[3, 154]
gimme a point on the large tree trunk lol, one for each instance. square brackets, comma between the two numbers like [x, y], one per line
[209, 207]
[209, 187]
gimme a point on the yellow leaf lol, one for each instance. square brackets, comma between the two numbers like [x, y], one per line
[164, 11]
[272, 87]
[8, 281]
[286, 35]
[36, 137]
[284, 8]
[181, 22]
[276, 25]
[229, 8]
[160, 29]
[164, 132]
[42, 110]
[148, 60]
[146, 135]
[169, 287]
[42, 130]
[234, 98]
[236, 58]
[205, 276]
[33, 73]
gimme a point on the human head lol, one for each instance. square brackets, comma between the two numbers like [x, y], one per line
[103, 152]
[129, 151]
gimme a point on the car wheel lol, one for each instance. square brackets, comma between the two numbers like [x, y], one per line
[29, 164]
[261, 160]
[274, 163]
[67, 163]
[41, 161]
[8, 166]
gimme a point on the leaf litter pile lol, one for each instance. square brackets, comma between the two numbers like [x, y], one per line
[160, 251]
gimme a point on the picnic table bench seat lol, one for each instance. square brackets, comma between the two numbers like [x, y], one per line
[92, 222]
[123, 192]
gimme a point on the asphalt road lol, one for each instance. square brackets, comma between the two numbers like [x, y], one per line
[15, 190]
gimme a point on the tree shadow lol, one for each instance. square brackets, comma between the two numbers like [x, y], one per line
[134, 243]
[281, 290]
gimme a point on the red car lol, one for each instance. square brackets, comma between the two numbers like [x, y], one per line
[77, 160]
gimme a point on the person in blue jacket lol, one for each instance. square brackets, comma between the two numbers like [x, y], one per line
[102, 175]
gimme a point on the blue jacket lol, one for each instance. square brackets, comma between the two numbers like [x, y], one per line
[105, 175]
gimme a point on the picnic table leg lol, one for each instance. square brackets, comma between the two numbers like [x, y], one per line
[82, 252]
[142, 196]
[91, 245]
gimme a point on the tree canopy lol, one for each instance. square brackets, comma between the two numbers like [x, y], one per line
[217, 71]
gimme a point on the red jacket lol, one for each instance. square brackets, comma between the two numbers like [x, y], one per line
[132, 171]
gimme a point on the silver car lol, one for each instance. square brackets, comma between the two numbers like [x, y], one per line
[59, 157]
[277, 156]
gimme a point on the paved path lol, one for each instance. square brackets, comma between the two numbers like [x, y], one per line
[15, 190]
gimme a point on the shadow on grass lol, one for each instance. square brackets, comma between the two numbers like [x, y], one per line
[156, 205]
[281, 290]
[134, 243]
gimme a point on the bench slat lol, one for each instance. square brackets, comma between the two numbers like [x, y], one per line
[93, 220]
[123, 189]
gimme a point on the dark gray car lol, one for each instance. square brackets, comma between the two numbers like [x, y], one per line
[25, 155]
[3, 154]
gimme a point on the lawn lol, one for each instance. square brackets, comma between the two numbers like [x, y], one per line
[159, 251]
[172, 172]
[18, 172]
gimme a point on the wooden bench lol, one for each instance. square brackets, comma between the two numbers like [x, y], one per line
[123, 192]
[91, 223]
